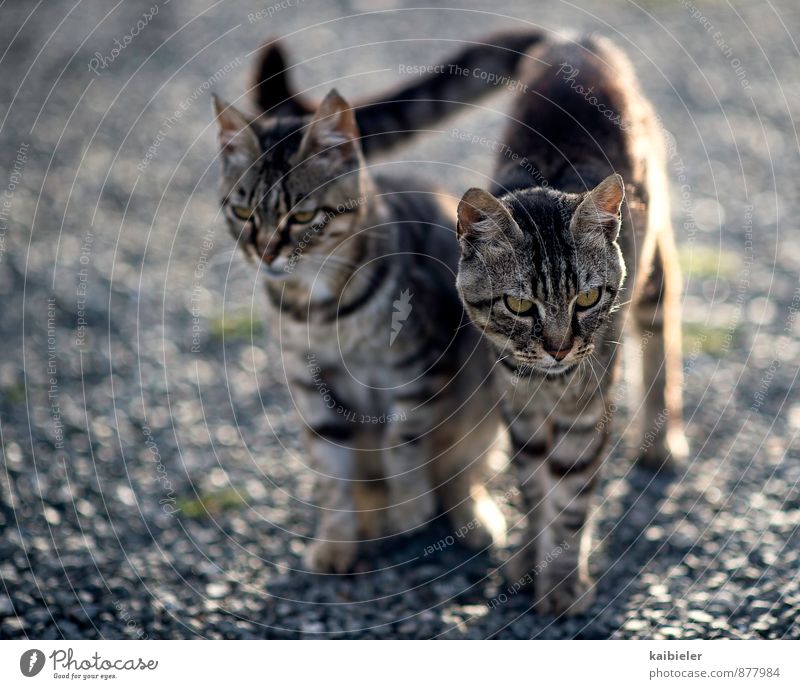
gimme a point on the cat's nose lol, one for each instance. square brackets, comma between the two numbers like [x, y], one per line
[558, 352]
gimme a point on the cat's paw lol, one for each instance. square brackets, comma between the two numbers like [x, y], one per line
[475, 535]
[669, 452]
[330, 556]
[410, 514]
[478, 522]
[571, 595]
[519, 572]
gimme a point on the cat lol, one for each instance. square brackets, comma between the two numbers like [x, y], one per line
[389, 119]
[552, 260]
[381, 362]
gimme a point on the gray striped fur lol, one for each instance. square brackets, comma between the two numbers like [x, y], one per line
[393, 426]
[558, 223]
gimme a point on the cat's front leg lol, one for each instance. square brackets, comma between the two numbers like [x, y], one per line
[330, 440]
[557, 467]
[335, 543]
[408, 450]
[563, 583]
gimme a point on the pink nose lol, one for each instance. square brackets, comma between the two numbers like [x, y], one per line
[559, 354]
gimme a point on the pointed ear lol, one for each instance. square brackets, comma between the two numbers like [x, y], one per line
[272, 89]
[601, 208]
[237, 141]
[481, 217]
[333, 125]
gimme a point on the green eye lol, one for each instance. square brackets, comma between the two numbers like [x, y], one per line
[518, 306]
[242, 212]
[586, 300]
[303, 217]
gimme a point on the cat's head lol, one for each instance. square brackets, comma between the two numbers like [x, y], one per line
[540, 270]
[292, 185]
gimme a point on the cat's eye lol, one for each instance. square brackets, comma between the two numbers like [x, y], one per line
[242, 212]
[521, 307]
[587, 299]
[303, 217]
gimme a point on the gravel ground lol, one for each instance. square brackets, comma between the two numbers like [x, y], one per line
[152, 481]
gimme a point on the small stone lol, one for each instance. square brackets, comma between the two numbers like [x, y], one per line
[700, 616]
[636, 625]
[312, 628]
[658, 590]
[6, 606]
[217, 590]
[52, 516]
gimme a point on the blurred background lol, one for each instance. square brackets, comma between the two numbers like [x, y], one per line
[152, 481]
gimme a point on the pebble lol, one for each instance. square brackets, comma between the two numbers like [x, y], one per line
[217, 590]
[6, 606]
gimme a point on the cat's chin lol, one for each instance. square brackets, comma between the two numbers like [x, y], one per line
[550, 371]
[556, 370]
[280, 269]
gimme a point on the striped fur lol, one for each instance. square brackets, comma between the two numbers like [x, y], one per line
[542, 238]
[389, 119]
[360, 279]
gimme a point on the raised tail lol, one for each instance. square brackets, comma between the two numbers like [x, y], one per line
[390, 118]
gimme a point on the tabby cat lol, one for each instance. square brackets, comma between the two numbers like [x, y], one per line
[360, 279]
[543, 267]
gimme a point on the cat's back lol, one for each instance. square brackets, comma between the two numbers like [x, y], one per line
[581, 105]
[423, 220]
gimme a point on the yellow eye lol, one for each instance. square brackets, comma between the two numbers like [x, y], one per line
[586, 300]
[242, 212]
[303, 217]
[518, 306]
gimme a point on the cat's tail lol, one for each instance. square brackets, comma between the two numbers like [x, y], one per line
[390, 118]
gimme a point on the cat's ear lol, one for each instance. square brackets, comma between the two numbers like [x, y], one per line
[481, 217]
[333, 129]
[272, 89]
[238, 142]
[601, 209]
